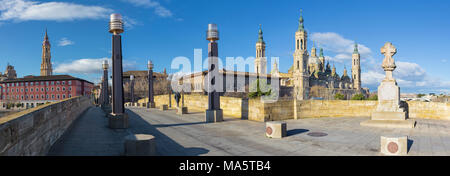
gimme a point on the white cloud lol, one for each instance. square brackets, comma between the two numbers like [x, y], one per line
[65, 42]
[156, 6]
[341, 47]
[408, 75]
[336, 43]
[24, 10]
[90, 66]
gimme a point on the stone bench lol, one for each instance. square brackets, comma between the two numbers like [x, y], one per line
[394, 145]
[140, 145]
[276, 129]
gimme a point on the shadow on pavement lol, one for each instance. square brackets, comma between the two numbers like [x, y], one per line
[165, 146]
[296, 131]
[178, 124]
[409, 143]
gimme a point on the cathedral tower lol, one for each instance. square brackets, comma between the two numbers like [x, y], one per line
[260, 61]
[300, 77]
[322, 61]
[46, 65]
[356, 68]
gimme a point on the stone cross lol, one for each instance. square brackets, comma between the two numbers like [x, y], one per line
[388, 50]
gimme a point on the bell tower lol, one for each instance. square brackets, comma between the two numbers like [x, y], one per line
[301, 80]
[260, 61]
[356, 68]
[46, 65]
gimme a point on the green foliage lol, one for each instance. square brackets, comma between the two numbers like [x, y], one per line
[257, 87]
[358, 97]
[420, 95]
[18, 105]
[373, 97]
[339, 96]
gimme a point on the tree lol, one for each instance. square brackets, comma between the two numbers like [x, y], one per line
[373, 97]
[257, 87]
[339, 96]
[420, 95]
[358, 97]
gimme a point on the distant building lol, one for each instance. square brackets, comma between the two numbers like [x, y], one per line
[309, 77]
[10, 73]
[31, 91]
[141, 83]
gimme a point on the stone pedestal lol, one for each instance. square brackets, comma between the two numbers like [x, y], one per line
[163, 107]
[214, 115]
[389, 112]
[182, 110]
[276, 129]
[140, 145]
[394, 145]
[118, 121]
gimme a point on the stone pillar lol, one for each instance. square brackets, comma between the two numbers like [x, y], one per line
[151, 100]
[182, 110]
[118, 118]
[389, 112]
[213, 113]
[132, 89]
[104, 91]
[140, 145]
[170, 96]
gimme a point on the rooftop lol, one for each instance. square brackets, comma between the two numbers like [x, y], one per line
[44, 78]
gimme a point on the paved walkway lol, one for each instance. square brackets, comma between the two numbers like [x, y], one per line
[189, 135]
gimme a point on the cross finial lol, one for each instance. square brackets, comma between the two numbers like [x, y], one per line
[388, 50]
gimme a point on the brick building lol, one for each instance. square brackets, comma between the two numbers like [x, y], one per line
[31, 91]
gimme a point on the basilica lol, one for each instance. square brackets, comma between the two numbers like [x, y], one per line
[311, 76]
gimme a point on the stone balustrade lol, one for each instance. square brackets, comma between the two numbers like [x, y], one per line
[283, 109]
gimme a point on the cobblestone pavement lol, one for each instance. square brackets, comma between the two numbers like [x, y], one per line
[189, 135]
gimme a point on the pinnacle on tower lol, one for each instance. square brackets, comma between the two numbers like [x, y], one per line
[46, 36]
[355, 50]
[260, 35]
[300, 21]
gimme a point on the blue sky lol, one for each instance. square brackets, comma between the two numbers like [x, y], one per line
[161, 30]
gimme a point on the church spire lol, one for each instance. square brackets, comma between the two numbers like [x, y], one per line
[355, 50]
[46, 36]
[300, 21]
[260, 35]
[46, 65]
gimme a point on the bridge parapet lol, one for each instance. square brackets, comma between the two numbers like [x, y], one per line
[32, 132]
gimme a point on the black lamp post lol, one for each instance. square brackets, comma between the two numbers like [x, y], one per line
[151, 101]
[213, 113]
[118, 117]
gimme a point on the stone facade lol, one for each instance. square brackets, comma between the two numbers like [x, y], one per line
[34, 131]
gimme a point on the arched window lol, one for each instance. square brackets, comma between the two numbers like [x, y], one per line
[298, 64]
[302, 44]
[297, 44]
